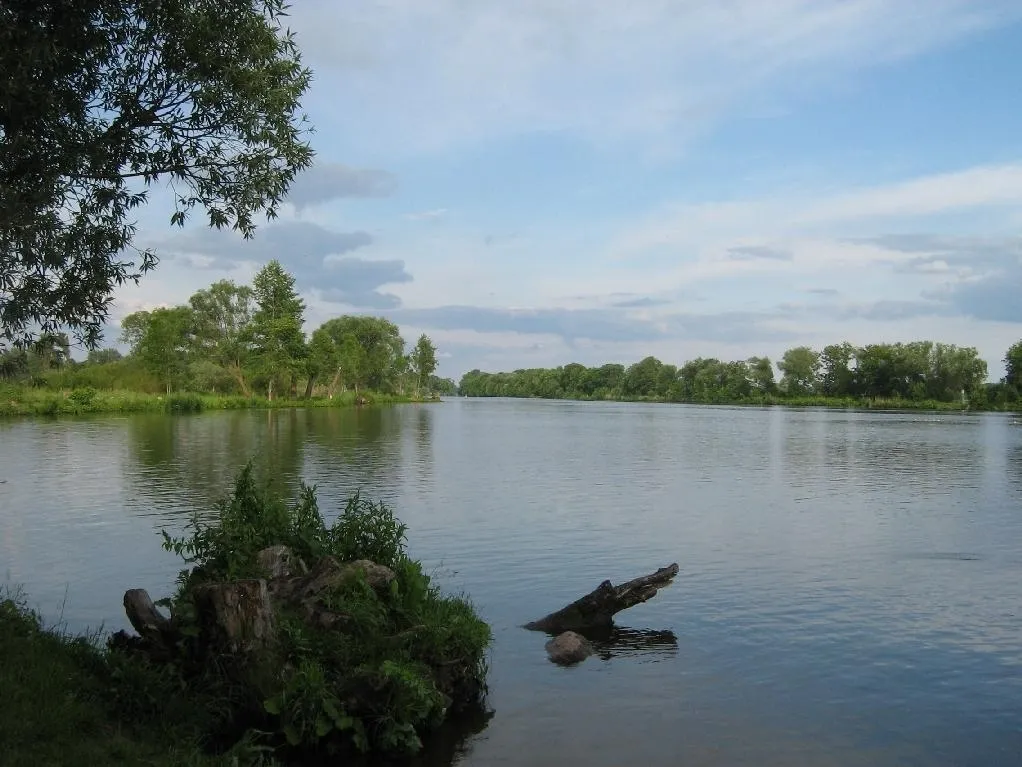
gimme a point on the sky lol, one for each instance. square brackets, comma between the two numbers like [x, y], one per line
[540, 182]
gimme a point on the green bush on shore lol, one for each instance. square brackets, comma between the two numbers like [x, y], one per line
[405, 659]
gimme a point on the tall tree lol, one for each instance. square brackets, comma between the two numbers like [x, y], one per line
[837, 378]
[1013, 366]
[800, 368]
[161, 340]
[277, 338]
[423, 361]
[761, 374]
[101, 99]
[369, 350]
[223, 319]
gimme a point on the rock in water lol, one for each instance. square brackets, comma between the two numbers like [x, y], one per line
[568, 648]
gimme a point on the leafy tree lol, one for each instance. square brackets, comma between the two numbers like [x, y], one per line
[641, 378]
[323, 361]
[423, 361]
[223, 315]
[101, 99]
[800, 368]
[1013, 366]
[102, 356]
[50, 350]
[368, 349]
[837, 377]
[761, 374]
[277, 338]
[160, 339]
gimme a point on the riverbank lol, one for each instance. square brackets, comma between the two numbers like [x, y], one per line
[65, 701]
[28, 401]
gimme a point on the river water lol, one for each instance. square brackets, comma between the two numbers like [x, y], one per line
[850, 589]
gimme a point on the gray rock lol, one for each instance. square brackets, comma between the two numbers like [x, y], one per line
[279, 562]
[568, 648]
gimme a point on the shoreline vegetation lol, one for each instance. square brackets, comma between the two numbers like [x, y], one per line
[920, 375]
[351, 651]
[27, 401]
[230, 347]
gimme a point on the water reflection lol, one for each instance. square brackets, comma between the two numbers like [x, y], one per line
[621, 642]
[849, 590]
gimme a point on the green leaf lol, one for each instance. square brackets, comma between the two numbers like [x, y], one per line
[272, 705]
[292, 735]
[323, 726]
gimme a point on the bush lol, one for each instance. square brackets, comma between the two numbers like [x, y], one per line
[404, 658]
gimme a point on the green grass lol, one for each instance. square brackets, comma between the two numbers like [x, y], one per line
[66, 701]
[28, 401]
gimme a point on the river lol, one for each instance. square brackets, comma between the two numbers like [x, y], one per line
[850, 589]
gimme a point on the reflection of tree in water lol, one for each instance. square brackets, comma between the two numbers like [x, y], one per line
[193, 459]
[423, 456]
[880, 451]
[1014, 468]
[352, 449]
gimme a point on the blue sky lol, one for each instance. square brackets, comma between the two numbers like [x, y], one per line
[546, 181]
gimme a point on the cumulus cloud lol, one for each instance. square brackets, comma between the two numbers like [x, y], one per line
[312, 253]
[287, 241]
[326, 181]
[356, 282]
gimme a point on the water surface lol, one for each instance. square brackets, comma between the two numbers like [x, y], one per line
[850, 583]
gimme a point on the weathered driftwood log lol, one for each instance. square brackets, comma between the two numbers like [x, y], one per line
[148, 621]
[597, 609]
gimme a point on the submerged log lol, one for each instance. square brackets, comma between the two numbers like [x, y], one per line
[597, 608]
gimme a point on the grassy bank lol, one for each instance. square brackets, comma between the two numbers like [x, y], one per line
[24, 400]
[67, 701]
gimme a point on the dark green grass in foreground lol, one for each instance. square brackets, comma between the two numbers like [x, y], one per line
[64, 701]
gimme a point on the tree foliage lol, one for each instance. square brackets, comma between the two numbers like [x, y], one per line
[278, 343]
[916, 371]
[423, 361]
[233, 339]
[101, 100]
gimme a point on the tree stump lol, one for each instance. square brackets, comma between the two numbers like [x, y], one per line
[237, 616]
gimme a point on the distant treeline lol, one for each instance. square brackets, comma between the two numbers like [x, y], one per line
[242, 340]
[921, 373]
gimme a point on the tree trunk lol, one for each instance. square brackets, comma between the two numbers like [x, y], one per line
[239, 377]
[269, 389]
[294, 386]
[308, 387]
[597, 608]
[236, 617]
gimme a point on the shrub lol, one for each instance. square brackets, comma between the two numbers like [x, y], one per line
[403, 659]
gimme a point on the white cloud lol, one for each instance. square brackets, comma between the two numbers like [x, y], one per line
[427, 75]
[710, 228]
